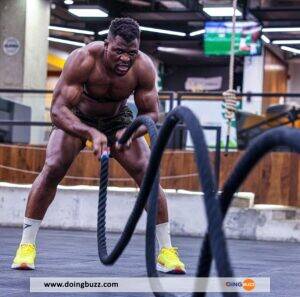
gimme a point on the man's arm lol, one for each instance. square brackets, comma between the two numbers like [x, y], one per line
[67, 94]
[146, 95]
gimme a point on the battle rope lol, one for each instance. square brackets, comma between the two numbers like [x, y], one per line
[206, 177]
[109, 259]
[214, 244]
[150, 186]
[263, 144]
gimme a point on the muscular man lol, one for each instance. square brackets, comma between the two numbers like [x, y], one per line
[89, 103]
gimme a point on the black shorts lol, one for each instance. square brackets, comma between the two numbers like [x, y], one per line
[108, 126]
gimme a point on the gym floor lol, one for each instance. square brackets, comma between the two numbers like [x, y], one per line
[74, 254]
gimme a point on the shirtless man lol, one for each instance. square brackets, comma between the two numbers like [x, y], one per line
[89, 103]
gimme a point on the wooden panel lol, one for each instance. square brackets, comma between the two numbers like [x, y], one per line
[275, 180]
[294, 173]
[272, 171]
[275, 78]
[253, 180]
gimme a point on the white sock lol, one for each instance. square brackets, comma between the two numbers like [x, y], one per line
[30, 230]
[163, 235]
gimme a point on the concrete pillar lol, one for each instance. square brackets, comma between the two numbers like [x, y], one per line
[253, 82]
[23, 57]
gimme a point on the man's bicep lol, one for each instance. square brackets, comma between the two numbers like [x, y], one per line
[71, 94]
[146, 100]
[67, 94]
[70, 85]
[146, 95]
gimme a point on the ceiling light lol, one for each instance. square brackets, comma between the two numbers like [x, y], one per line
[290, 49]
[155, 30]
[198, 32]
[138, 2]
[162, 31]
[103, 32]
[221, 11]
[88, 11]
[166, 49]
[286, 41]
[291, 29]
[56, 28]
[64, 41]
[171, 4]
[68, 2]
[179, 51]
[265, 39]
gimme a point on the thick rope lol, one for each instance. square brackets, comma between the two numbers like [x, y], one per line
[214, 245]
[263, 144]
[206, 177]
[230, 94]
[109, 259]
[232, 52]
[150, 186]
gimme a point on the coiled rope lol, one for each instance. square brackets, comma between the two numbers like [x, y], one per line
[149, 189]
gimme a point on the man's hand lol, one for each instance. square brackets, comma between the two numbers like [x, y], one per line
[99, 141]
[126, 145]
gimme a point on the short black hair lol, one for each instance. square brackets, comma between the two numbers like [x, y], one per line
[127, 28]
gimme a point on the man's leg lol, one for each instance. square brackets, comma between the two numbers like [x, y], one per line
[135, 161]
[61, 151]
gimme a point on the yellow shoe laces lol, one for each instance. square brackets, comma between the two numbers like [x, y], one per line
[173, 251]
[27, 249]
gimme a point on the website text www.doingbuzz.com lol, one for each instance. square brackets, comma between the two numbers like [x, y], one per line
[81, 285]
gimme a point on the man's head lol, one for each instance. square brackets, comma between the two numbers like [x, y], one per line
[122, 45]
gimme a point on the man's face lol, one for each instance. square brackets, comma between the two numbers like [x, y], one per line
[120, 54]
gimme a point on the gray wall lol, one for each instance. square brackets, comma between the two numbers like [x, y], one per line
[76, 208]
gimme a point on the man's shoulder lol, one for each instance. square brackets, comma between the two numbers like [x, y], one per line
[90, 51]
[144, 63]
[144, 71]
[144, 60]
[95, 48]
[82, 60]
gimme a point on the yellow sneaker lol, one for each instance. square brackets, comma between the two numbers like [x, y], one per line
[168, 261]
[25, 256]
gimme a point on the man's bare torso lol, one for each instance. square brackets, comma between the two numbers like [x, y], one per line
[104, 93]
[96, 82]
